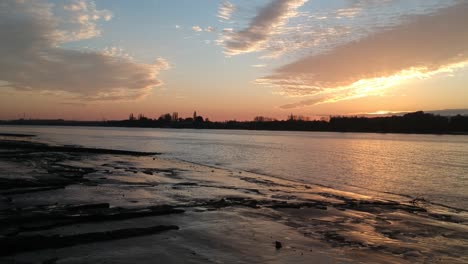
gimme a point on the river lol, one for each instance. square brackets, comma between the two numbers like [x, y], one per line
[434, 167]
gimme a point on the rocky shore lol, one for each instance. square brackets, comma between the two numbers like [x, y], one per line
[68, 204]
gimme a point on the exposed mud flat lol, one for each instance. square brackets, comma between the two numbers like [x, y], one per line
[66, 204]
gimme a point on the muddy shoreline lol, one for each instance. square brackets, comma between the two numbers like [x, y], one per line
[67, 204]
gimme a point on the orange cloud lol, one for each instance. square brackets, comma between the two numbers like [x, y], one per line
[420, 47]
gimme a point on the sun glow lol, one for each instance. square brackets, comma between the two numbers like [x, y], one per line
[362, 88]
[378, 86]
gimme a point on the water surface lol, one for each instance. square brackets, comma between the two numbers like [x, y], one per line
[431, 166]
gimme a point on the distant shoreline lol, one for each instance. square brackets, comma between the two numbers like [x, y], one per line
[106, 124]
[462, 133]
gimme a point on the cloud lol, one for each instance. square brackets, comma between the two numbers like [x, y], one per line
[197, 28]
[302, 103]
[225, 10]
[200, 29]
[210, 29]
[348, 12]
[421, 47]
[81, 18]
[32, 59]
[178, 27]
[318, 28]
[266, 23]
[116, 52]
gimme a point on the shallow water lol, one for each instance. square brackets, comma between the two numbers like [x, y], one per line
[431, 166]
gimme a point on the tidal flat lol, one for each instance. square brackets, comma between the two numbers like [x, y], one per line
[69, 204]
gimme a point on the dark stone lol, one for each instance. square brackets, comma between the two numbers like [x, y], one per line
[12, 245]
[278, 245]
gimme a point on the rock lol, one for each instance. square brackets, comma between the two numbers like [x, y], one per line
[413, 254]
[17, 244]
[50, 261]
[278, 245]
[88, 206]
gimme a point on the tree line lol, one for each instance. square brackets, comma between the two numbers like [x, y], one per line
[417, 122]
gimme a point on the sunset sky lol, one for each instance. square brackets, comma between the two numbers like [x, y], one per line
[93, 60]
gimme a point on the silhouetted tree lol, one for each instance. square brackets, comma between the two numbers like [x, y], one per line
[141, 117]
[199, 119]
[175, 117]
[165, 118]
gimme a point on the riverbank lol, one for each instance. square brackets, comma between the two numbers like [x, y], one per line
[409, 123]
[66, 204]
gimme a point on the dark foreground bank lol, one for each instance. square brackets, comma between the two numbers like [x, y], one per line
[66, 204]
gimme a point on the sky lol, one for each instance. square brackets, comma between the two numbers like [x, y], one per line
[236, 59]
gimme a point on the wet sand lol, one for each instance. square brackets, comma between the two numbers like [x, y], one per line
[66, 204]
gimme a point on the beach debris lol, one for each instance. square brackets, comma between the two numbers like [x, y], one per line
[278, 244]
[419, 201]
